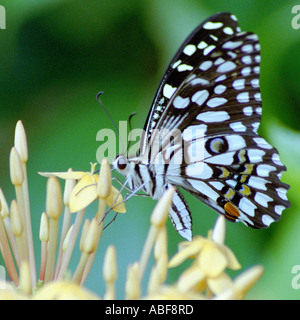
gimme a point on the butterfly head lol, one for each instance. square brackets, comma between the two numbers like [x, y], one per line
[121, 164]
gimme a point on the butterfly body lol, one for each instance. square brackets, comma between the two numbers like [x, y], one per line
[201, 132]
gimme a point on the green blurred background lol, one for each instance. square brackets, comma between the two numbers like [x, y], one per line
[57, 55]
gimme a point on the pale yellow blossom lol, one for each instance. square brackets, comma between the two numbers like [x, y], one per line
[205, 278]
[85, 191]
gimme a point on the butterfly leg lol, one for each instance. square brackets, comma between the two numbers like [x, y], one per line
[131, 192]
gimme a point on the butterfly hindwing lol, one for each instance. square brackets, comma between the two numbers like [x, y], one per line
[240, 178]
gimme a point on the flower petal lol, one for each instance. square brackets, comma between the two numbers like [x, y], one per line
[212, 261]
[244, 282]
[73, 175]
[218, 233]
[191, 278]
[232, 262]
[84, 193]
[220, 283]
[188, 251]
[115, 200]
[168, 292]
[63, 290]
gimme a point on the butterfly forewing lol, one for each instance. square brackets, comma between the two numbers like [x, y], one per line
[209, 101]
[188, 58]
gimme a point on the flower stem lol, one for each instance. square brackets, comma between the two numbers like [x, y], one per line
[67, 256]
[80, 268]
[99, 217]
[146, 251]
[43, 260]
[53, 233]
[65, 228]
[32, 266]
[7, 256]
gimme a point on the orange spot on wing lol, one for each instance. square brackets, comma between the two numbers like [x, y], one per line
[232, 212]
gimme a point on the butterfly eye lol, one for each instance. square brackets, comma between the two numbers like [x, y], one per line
[122, 163]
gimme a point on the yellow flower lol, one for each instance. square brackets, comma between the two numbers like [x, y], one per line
[212, 257]
[241, 284]
[211, 260]
[172, 292]
[9, 292]
[85, 191]
[63, 290]
[206, 278]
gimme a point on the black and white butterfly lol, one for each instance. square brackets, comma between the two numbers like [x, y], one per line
[209, 99]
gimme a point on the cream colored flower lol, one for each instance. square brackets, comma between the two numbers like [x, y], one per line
[63, 290]
[212, 257]
[85, 191]
[206, 277]
[211, 260]
[241, 284]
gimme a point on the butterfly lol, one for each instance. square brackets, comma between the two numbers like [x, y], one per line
[201, 132]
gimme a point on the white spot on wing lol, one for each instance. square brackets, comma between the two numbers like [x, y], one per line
[267, 220]
[203, 188]
[235, 142]
[263, 170]
[237, 126]
[204, 66]
[207, 50]
[190, 49]
[239, 84]
[217, 184]
[212, 25]
[202, 45]
[278, 209]
[228, 30]
[226, 67]
[181, 103]
[231, 44]
[247, 206]
[262, 143]
[199, 170]
[168, 91]
[262, 199]
[276, 159]
[282, 193]
[223, 159]
[176, 64]
[257, 183]
[216, 102]
[213, 116]
[194, 132]
[184, 67]
[200, 97]
[255, 155]
[220, 89]
[248, 111]
[243, 97]
[255, 83]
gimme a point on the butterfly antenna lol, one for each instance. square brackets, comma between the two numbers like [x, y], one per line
[110, 118]
[129, 125]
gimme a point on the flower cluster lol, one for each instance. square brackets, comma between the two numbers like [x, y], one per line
[206, 278]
